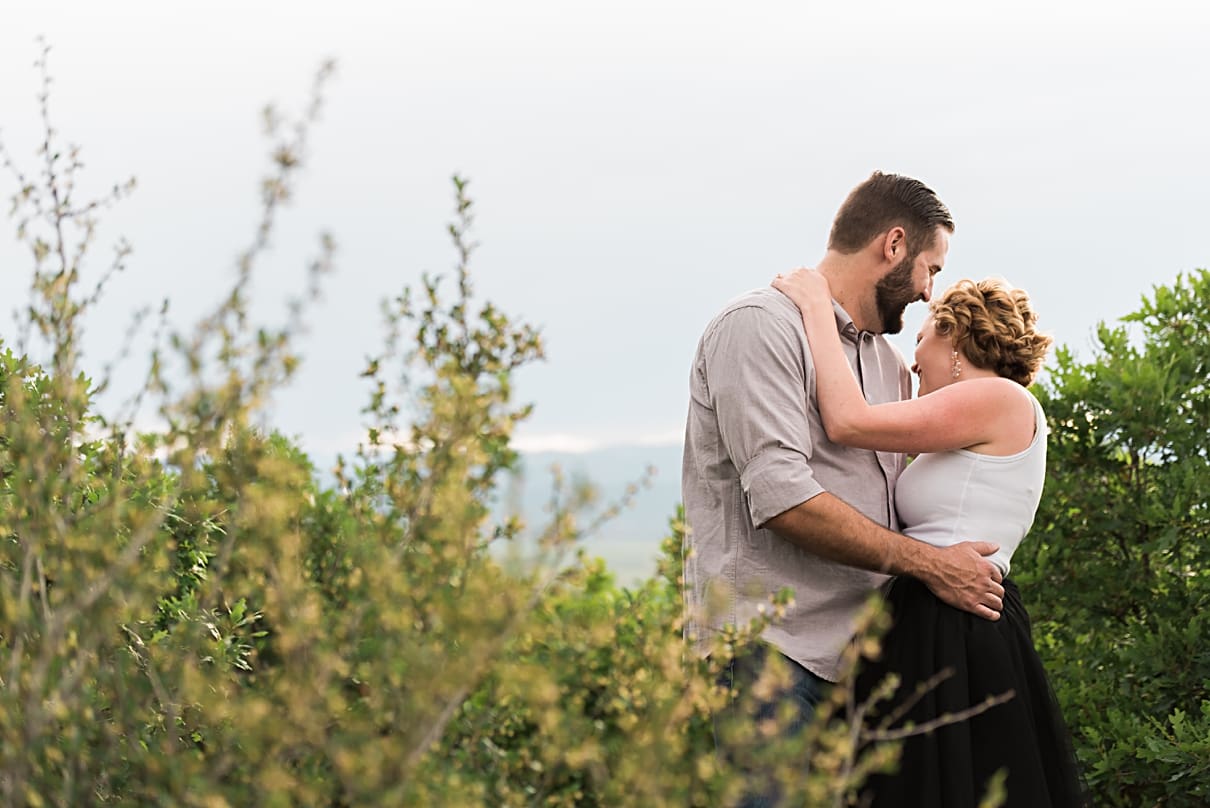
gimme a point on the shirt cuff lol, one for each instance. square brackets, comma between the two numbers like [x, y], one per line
[775, 481]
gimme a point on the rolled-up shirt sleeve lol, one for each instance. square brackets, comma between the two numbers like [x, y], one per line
[758, 373]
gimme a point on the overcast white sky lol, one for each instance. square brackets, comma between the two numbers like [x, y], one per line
[635, 164]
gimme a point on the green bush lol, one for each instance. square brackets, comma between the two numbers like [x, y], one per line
[1117, 568]
[191, 615]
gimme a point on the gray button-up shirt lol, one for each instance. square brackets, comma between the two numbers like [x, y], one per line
[755, 447]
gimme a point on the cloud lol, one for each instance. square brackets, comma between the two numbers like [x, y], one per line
[571, 443]
[526, 442]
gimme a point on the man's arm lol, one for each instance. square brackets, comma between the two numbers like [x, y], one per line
[959, 574]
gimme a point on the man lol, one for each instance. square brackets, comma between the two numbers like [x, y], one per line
[770, 501]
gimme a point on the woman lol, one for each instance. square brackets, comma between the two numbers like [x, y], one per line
[981, 463]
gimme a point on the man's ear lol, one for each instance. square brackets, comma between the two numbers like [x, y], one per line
[894, 244]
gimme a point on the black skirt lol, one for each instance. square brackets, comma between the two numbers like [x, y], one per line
[950, 767]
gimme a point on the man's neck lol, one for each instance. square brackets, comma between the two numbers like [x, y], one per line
[852, 284]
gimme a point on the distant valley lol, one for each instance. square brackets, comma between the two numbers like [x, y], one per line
[630, 542]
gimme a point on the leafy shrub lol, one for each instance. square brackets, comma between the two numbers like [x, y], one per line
[1118, 564]
[191, 616]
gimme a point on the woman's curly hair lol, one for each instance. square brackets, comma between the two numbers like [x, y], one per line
[994, 325]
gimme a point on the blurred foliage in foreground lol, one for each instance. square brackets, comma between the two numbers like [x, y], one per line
[188, 616]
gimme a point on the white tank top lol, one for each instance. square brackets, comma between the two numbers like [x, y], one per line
[944, 498]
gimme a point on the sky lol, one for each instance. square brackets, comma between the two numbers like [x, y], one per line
[634, 165]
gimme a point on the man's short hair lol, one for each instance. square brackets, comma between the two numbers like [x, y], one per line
[882, 202]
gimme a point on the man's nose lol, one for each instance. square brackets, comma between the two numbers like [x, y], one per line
[928, 290]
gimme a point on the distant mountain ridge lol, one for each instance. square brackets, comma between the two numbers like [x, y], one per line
[629, 543]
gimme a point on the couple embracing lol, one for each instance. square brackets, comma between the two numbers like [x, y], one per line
[795, 475]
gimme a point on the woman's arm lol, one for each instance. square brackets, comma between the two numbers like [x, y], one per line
[954, 417]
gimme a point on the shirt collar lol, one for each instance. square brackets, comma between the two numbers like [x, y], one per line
[844, 324]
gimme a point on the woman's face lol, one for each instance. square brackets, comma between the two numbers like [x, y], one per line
[934, 359]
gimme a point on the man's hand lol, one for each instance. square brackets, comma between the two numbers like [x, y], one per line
[963, 578]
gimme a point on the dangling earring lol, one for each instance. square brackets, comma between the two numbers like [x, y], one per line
[956, 369]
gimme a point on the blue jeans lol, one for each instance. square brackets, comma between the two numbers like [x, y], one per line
[804, 692]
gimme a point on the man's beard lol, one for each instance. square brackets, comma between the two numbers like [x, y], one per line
[892, 294]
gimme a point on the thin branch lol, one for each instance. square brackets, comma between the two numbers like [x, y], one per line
[942, 720]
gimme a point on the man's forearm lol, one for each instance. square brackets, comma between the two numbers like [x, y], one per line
[832, 529]
[958, 574]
